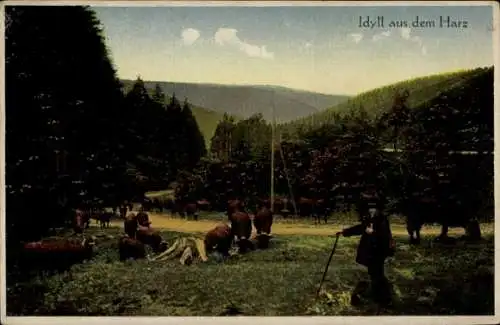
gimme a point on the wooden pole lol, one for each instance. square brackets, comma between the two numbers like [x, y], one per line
[272, 154]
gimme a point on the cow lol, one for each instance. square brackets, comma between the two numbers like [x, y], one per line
[316, 208]
[105, 219]
[81, 221]
[156, 204]
[152, 238]
[263, 220]
[131, 248]
[219, 239]
[191, 210]
[280, 205]
[232, 206]
[143, 218]
[59, 253]
[419, 208]
[241, 227]
[203, 205]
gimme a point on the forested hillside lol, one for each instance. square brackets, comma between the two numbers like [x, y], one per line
[379, 100]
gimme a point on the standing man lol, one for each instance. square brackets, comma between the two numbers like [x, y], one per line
[375, 245]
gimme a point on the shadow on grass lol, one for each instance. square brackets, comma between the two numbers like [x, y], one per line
[279, 281]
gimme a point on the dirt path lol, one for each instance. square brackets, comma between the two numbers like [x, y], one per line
[188, 226]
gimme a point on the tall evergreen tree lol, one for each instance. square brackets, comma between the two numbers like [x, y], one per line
[63, 124]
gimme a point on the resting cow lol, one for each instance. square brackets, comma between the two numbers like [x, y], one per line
[241, 227]
[263, 221]
[219, 239]
[131, 248]
[57, 253]
[152, 238]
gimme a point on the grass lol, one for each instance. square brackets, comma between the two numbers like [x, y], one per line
[281, 281]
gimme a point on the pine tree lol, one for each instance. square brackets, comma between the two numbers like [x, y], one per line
[63, 128]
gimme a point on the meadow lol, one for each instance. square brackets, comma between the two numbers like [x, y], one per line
[281, 281]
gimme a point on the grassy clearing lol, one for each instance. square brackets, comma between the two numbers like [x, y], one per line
[280, 281]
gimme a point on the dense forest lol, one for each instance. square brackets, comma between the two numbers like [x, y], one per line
[75, 136]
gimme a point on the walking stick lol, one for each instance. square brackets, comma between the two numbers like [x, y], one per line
[327, 265]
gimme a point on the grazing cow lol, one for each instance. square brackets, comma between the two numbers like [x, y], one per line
[241, 227]
[219, 239]
[321, 210]
[191, 210]
[313, 207]
[105, 219]
[280, 205]
[419, 210]
[81, 221]
[57, 253]
[152, 238]
[131, 248]
[203, 205]
[157, 205]
[263, 221]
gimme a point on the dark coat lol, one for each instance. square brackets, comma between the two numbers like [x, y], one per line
[374, 247]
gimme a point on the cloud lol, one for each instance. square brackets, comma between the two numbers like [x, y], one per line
[227, 36]
[406, 34]
[189, 36]
[356, 37]
[378, 37]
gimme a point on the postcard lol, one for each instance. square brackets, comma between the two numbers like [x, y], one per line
[218, 159]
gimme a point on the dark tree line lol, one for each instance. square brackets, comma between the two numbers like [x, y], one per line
[72, 136]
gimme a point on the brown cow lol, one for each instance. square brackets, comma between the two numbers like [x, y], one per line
[130, 248]
[233, 206]
[143, 218]
[191, 210]
[57, 253]
[219, 239]
[152, 238]
[203, 205]
[263, 221]
[241, 227]
[313, 207]
[81, 221]
[104, 219]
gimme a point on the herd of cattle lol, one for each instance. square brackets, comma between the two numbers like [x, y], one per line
[139, 234]
[419, 209]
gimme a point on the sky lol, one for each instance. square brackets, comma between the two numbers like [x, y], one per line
[321, 49]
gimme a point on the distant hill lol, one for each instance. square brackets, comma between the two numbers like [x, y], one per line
[244, 101]
[380, 100]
